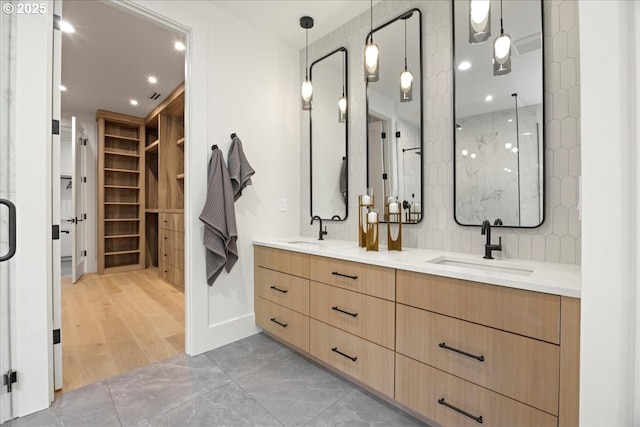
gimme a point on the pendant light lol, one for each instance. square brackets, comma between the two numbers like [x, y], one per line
[479, 20]
[502, 51]
[371, 56]
[406, 78]
[306, 22]
[342, 101]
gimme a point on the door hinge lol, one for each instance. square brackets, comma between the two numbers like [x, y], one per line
[383, 135]
[384, 176]
[55, 128]
[84, 216]
[56, 336]
[84, 179]
[56, 22]
[84, 141]
[55, 232]
[398, 134]
[84, 253]
[11, 377]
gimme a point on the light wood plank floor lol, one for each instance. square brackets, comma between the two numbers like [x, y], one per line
[115, 323]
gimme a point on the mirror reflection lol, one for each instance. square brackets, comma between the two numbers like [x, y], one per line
[329, 136]
[394, 118]
[499, 117]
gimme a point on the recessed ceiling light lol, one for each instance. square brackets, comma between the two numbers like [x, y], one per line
[66, 27]
[465, 152]
[152, 80]
[473, 155]
[488, 98]
[180, 46]
[510, 120]
[508, 145]
[133, 102]
[526, 134]
[63, 88]
[515, 150]
[464, 65]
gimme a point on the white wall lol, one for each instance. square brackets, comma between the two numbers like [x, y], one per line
[252, 89]
[610, 287]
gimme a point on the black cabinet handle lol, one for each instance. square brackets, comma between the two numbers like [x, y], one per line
[12, 230]
[284, 291]
[335, 350]
[443, 345]
[284, 325]
[465, 413]
[345, 312]
[335, 273]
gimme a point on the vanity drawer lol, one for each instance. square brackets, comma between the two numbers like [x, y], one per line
[370, 318]
[421, 387]
[522, 368]
[373, 365]
[287, 262]
[286, 324]
[172, 274]
[364, 278]
[284, 289]
[174, 239]
[528, 313]
[171, 221]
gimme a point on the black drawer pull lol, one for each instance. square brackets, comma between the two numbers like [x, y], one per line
[443, 345]
[465, 413]
[335, 350]
[284, 325]
[335, 273]
[284, 291]
[345, 312]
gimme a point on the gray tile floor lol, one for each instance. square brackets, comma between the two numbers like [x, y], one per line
[252, 382]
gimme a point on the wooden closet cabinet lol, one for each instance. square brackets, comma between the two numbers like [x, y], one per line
[164, 177]
[121, 203]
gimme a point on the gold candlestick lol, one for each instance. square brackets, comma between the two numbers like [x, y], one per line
[372, 234]
[394, 245]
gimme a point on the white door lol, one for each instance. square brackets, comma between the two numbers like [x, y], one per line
[78, 184]
[28, 140]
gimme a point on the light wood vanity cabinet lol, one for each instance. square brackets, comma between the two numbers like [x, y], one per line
[453, 351]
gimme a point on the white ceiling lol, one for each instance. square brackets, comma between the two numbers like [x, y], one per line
[107, 61]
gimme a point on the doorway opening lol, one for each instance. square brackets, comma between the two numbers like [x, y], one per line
[123, 303]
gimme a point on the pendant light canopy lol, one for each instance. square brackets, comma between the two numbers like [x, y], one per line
[501, 51]
[406, 78]
[342, 101]
[479, 20]
[306, 22]
[371, 51]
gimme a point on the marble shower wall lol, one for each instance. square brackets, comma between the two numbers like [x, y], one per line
[558, 239]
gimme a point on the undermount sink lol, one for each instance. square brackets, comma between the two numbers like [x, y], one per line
[303, 242]
[484, 265]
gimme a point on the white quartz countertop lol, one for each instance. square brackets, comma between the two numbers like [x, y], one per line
[547, 277]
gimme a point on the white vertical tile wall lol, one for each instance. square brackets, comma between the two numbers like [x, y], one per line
[558, 238]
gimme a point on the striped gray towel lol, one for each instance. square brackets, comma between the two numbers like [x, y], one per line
[239, 168]
[219, 218]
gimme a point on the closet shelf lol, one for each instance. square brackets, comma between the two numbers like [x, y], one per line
[180, 176]
[180, 141]
[117, 153]
[122, 203]
[125, 187]
[120, 170]
[124, 138]
[153, 147]
[120, 236]
[121, 219]
[134, 251]
[151, 210]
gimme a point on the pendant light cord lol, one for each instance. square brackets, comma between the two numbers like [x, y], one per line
[343, 59]
[306, 53]
[501, 28]
[405, 44]
[371, 21]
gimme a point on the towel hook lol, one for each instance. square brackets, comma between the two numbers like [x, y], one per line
[214, 147]
[233, 135]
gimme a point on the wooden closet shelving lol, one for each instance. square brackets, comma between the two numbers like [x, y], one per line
[120, 182]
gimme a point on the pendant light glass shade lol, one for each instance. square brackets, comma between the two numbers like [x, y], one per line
[501, 51]
[479, 21]
[406, 86]
[371, 71]
[502, 55]
[307, 94]
[342, 109]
